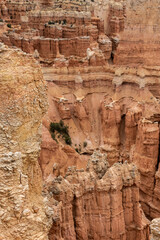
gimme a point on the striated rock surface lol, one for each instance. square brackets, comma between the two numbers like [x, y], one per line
[115, 110]
[23, 211]
[99, 203]
[155, 229]
[56, 30]
[56, 158]
[139, 42]
[69, 28]
[100, 60]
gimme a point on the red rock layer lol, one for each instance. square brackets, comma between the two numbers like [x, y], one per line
[139, 43]
[110, 107]
[53, 34]
[100, 203]
[117, 113]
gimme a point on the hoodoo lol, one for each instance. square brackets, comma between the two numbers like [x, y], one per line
[79, 120]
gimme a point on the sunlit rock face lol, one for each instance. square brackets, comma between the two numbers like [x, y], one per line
[23, 210]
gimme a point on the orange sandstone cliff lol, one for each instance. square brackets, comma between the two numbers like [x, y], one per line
[100, 61]
[99, 203]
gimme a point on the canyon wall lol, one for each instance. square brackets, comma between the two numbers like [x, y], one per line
[23, 211]
[139, 42]
[117, 113]
[100, 60]
[99, 203]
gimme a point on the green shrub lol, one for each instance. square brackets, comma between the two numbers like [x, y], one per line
[51, 22]
[52, 127]
[55, 127]
[9, 25]
[53, 136]
[1, 20]
[61, 129]
[61, 123]
[65, 130]
[85, 144]
[64, 22]
[77, 150]
[68, 140]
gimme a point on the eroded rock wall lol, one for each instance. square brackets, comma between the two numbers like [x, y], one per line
[139, 42]
[101, 62]
[115, 110]
[23, 211]
[99, 203]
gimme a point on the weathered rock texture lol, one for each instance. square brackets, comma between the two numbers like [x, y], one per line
[116, 110]
[155, 229]
[101, 61]
[23, 210]
[68, 28]
[100, 203]
[56, 31]
[139, 43]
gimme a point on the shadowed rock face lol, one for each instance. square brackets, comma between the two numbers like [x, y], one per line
[22, 105]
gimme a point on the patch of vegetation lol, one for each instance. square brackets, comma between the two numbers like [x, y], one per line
[9, 25]
[77, 150]
[68, 140]
[64, 21]
[1, 20]
[84, 144]
[62, 130]
[51, 22]
[53, 135]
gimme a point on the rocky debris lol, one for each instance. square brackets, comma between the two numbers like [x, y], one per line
[98, 163]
